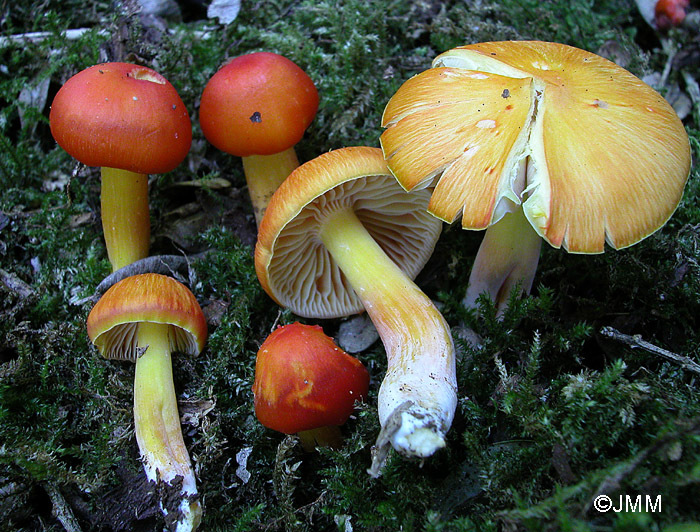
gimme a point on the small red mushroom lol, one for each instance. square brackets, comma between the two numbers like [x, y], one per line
[669, 13]
[662, 14]
[306, 385]
[257, 107]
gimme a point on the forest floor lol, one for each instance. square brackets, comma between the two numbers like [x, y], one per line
[552, 412]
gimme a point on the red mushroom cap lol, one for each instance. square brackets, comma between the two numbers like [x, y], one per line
[668, 13]
[257, 104]
[120, 115]
[304, 381]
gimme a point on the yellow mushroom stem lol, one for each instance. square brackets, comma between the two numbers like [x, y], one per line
[125, 216]
[328, 436]
[264, 174]
[507, 258]
[158, 431]
[418, 396]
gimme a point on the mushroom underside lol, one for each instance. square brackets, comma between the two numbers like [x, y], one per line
[120, 342]
[307, 279]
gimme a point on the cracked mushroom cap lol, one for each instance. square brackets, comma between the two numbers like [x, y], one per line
[304, 381]
[120, 115]
[150, 297]
[608, 156]
[293, 265]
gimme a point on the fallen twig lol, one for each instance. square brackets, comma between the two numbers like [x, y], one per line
[61, 509]
[637, 341]
[38, 36]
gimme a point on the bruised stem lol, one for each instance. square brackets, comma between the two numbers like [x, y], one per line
[125, 217]
[264, 174]
[418, 396]
[507, 258]
[158, 432]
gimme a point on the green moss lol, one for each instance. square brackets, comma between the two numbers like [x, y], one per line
[549, 411]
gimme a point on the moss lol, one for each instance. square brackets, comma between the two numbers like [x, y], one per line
[550, 412]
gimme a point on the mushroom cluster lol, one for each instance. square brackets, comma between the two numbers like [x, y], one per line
[341, 236]
[526, 140]
[130, 121]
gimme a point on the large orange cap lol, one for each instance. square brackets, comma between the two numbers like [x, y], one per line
[124, 116]
[148, 297]
[304, 381]
[607, 156]
[257, 104]
[293, 265]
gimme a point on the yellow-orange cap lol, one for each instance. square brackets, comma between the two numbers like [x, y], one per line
[608, 156]
[148, 297]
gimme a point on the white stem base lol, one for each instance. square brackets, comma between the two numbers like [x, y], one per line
[418, 396]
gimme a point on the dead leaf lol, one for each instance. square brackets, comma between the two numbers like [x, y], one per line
[33, 96]
[357, 334]
[225, 10]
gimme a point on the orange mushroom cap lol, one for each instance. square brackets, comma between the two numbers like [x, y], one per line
[148, 297]
[304, 381]
[120, 115]
[257, 104]
[608, 158]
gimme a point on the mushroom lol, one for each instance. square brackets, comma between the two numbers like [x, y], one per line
[306, 385]
[669, 13]
[257, 107]
[130, 121]
[534, 140]
[143, 319]
[663, 14]
[340, 236]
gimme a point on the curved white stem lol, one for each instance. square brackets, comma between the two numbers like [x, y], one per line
[158, 432]
[507, 257]
[418, 396]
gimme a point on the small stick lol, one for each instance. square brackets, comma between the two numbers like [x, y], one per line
[636, 341]
[61, 509]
